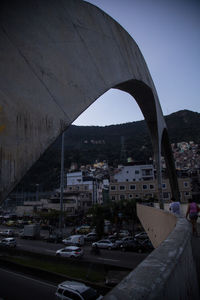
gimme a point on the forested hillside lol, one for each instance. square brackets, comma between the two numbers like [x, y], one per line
[86, 144]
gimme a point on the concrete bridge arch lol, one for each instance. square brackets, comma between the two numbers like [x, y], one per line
[57, 58]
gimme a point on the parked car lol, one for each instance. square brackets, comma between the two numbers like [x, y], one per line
[121, 241]
[54, 238]
[70, 251]
[76, 240]
[8, 242]
[10, 223]
[146, 246]
[141, 236]
[71, 290]
[112, 238]
[92, 236]
[122, 233]
[131, 245]
[7, 232]
[104, 244]
[84, 229]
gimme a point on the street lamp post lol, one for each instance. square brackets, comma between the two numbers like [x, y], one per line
[37, 192]
[61, 186]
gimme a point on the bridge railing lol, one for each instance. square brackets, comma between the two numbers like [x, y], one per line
[169, 272]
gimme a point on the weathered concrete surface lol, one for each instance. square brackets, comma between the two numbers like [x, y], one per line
[157, 223]
[56, 59]
[196, 252]
[169, 272]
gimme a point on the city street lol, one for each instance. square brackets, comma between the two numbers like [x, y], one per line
[113, 257]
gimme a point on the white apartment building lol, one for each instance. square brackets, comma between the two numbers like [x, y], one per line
[134, 182]
[134, 173]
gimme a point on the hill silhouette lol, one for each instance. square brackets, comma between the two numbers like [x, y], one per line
[87, 144]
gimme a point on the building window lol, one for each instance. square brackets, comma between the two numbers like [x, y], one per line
[86, 187]
[151, 186]
[113, 198]
[132, 187]
[148, 196]
[137, 172]
[122, 187]
[144, 186]
[122, 197]
[185, 184]
[130, 196]
[166, 195]
[113, 187]
[187, 193]
[126, 179]
[164, 185]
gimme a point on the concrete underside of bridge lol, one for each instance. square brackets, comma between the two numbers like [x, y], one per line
[56, 59]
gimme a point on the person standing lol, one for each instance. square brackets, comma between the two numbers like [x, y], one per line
[174, 206]
[192, 211]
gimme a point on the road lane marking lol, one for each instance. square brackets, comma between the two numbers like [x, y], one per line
[108, 259]
[51, 251]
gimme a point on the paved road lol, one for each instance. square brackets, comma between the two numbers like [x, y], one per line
[15, 286]
[113, 257]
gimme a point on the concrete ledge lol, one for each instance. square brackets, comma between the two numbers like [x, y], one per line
[157, 223]
[169, 272]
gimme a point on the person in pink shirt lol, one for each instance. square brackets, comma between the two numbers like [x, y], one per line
[192, 211]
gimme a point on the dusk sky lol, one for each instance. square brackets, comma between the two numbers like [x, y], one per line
[168, 35]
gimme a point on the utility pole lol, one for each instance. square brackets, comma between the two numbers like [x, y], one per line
[37, 192]
[61, 185]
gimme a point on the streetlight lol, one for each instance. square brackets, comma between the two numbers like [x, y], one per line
[61, 186]
[37, 192]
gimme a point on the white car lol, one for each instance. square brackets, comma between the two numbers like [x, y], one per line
[70, 290]
[104, 244]
[70, 251]
[8, 242]
[76, 240]
[7, 232]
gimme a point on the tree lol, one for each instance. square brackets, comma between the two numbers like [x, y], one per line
[98, 219]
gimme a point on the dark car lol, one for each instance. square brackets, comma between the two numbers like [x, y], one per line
[141, 235]
[130, 245]
[8, 242]
[120, 242]
[54, 238]
[146, 246]
[91, 237]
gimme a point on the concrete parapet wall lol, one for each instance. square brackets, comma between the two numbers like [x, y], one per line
[157, 223]
[169, 272]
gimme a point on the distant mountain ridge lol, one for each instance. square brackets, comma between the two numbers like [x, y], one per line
[86, 144]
